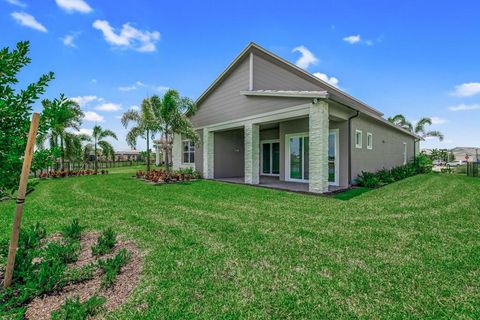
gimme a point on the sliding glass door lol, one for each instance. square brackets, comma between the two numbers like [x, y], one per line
[270, 158]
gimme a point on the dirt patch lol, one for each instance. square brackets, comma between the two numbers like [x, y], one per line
[126, 281]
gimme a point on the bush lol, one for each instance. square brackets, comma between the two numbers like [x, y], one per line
[73, 231]
[79, 274]
[105, 243]
[424, 163]
[368, 180]
[66, 253]
[73, 309]
[385, 176]
[111, 267]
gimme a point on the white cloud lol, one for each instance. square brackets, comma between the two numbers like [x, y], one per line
[127, 88]
[438, 120]
[467, 89]
[162, 88]
[352, 39]
[85, 131]
[17, 3]
[306, 59]
[74, 5]
[69, 39]
[330, 80]
[109, 107]
[93, 116]
[465, 107]
[84, 100]
[93, 80]
[129, 37]
[136, 108]
[28, 20]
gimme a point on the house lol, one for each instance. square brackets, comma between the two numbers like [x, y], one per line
[130, 155]
[266, 121]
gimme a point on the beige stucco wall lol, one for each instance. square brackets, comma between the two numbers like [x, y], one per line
[387, 146]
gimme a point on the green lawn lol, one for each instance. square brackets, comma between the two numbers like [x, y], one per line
[214, 250]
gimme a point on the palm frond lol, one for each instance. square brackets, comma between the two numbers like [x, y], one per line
[436, 134]
[420, 125]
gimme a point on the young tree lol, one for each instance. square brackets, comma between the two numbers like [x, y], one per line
[98, 135]
[63, 115]
[146, 125]
[15, 113]
[172, 113]
[419, 127]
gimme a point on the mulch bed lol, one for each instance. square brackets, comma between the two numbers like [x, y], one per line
[126, 281]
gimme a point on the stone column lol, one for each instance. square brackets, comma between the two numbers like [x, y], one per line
[252, 153]
[318, 147]
[208, 154]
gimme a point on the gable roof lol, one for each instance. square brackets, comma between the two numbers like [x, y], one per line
[329, 91]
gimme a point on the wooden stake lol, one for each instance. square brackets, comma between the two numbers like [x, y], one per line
[22, 188]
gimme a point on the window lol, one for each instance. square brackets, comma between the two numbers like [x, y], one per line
[358, 139]
[404, 153]
[369, 141]
[188, 151]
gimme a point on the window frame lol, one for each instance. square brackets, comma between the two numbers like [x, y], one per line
[190, 152]
[369, 141]
[358, 144]
[405, 153]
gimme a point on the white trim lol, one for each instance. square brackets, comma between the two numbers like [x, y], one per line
[370, 142]
[287, 94]
[337, 157]
[287, 156]
[270, 142]
[250, 78]
[358, 145]
[404, 153]
[282, 114]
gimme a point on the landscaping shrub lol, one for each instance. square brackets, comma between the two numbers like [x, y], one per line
[111, 267]
[385, 176]
[79, 274]
[424, 163]
[368, 180]
[105, 243]
[73, 231]
[160, 175]
[73, 309]
[66, 253]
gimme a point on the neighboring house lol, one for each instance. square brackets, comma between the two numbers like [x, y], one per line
[131, 155]
[158, 151]
[265, 117]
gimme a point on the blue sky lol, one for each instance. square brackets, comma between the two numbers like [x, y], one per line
[418, 58]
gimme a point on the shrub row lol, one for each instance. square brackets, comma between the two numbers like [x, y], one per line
[70, 173]
[385, 176]
[166, 176]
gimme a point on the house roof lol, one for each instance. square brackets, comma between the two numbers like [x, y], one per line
[331, 92]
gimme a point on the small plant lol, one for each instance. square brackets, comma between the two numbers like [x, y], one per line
[73, 309]
[73, 231]
[80, 274]
[385, 176]
[66, 253]
[105, 243]
[111, 267]
[368, 180]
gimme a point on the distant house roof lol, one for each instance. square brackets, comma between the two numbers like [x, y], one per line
[129, 152]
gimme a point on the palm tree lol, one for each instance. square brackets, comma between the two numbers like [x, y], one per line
[63, 115]
[146, 125]
[98, 134]
[419, 127]
[172, 112]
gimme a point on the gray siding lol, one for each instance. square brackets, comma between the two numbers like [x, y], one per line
[387, 146]
[269, 75]
[229, 158]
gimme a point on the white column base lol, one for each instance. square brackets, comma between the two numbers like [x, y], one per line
[318, 147]
[252, 153]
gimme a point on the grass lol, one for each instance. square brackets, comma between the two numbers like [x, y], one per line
[215, 250]
[351, 193]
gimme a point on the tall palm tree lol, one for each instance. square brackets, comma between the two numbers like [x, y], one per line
[172, 113]
[146, 125]
[419, 127]
[98, 134]
[63, 115]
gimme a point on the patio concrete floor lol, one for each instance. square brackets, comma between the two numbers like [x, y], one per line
[275, 183]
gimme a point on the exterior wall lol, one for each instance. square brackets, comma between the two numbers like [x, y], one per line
[387, 146]
[229, 154]
[177, 154]
[269, 134]
[343, 150]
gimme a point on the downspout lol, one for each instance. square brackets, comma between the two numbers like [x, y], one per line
[350, 147]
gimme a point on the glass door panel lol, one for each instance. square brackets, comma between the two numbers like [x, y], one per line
[306, 166]
[332, 154]
[275, 158]
[266, 158]
[296, 158]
